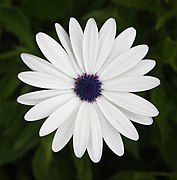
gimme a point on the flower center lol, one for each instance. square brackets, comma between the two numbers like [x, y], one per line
[87, 87]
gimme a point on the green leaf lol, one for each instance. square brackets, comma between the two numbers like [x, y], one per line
[46, 10]
[132, 148]
[8, 85]
[13, 54]
[16, 139]
[169, 150]
[158, 97]
[133, 175]
[17, 23]
[173, 176]
[164, 19]
[170, 52]
[83, 168]
[149, 5]
[42, 159]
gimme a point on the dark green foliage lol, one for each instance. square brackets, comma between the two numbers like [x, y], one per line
[26, 156]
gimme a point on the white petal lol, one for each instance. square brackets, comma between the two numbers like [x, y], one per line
[62, 136]
[142, 68]
[137, 118]
[82, 129]
[64, 132]
[131, 83]
[55, 53]
[95, 145]
[124, 62]
[57, 118]
[122, 43]
[117, 119]
[106, 39]
[132, 102]
[76, 37]
[90, 45]
[37, 64]
[110, 135]
[34, 98]
[42, 80]
[47, 107]
[65, 41]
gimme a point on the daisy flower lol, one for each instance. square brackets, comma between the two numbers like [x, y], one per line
[88, 86]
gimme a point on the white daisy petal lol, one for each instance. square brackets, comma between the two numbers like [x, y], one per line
[57, 118]
[131, 83]
[37, 64]
[82, 129]
[65, 41]
[55, 53]
[76, 37]
[137, 118]
[42, 80]
[90, 45]
[95, 145]
[62, 136]
[117, 119]
[132, 102]
[47, 107]
[122, 43]
[110, 135]
[124, 62]
[64, 132]
[140, 69]
[34, 98]
[106, 39]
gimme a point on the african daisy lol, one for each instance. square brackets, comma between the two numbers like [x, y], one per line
[88, 84]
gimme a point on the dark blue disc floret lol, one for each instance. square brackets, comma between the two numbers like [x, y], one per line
[88, 87]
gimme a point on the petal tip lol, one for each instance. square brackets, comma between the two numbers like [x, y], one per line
[22, 55]
[150, 123]
[133, 30]
[25, 57]
[111, 20]
[42, 132]
[153, 62]
[156, 112]
[54, 148]
[136, 137]
[19, 99]
[91, 22]
[158, 82]
[72, 19]
[26, 117]
[57, 25]
[78, 151]
[29, 117]
[146, 47]
[39, 35]
[121, 153]
[143, 47]
[96, 160]
[78, 154]
[95, 157]
[20, 76]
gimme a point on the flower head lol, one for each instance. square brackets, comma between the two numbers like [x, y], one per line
[88, 84]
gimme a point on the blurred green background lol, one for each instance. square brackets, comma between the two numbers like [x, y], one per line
[26, 156]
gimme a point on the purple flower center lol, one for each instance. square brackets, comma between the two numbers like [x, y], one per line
[88, 87]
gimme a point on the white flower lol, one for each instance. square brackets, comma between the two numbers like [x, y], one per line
[89, 82]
